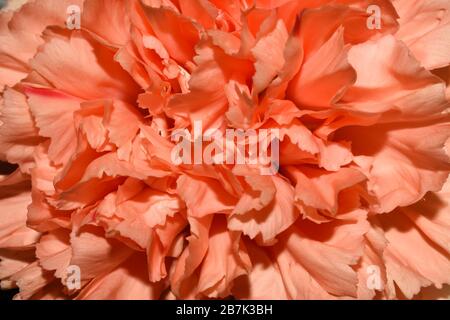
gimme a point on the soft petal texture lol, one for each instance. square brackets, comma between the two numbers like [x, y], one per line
[18, 132]
[359, 149]
[403, 88]
[13, 223]
[120, 285]
[81, 57]
[425, 28]
[420, 228]
[402, 170]
[266, 223]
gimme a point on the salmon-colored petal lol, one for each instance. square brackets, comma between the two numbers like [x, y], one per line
[94, 254]
[431, 216]
[165, 241]
[87, 140]
[177, 33]
[225, 260]
[264, 280]
[202, 11]
[111, 25]
[53, 113]
[298, 282]
[52, 291]
[126, 57]
[206, 100]
[203, 196]
[54, 253]
[353, 18]
[314, 267]
[372, 265]
[35, 16]
[153, 206]
[432, 293]
[13, 223]
[260, 193]
[13, 69]
[12, 262]
[142, 213]
[293, 56]
[299, 135]
[129, 281]
[44, 217]
[269, 55]
[241, 107]
[285, 112]
[320, 189]
[31, 280]
[404, 87]
[319, 83]
[191, 258]
[402, 163]
[429, 265]
[115, 115]
[21, 33]
[82, 182]
[89, 123]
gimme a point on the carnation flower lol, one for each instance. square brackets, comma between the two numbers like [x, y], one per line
[356, 205]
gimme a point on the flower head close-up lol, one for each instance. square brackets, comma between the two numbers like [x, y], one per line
[225, 149]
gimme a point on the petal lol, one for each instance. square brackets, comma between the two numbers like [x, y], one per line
[176, 32]
[425, 28]
[21, 32]
[129, 281]
[14, 232]
[396, 83]
[18, 133]
[54, 253]
[201, 11]
[402, 163]
[431, 216]
[31, 280]
[429, 265]
[325, 76]
[203, 196]
[207, 100]
[225, 260]
[263, 281]
[269, 55]
[108, 20]
[316, 263]
[267, 223]
[320, 189]
[53, 111]
[14, 261]
[94, 254]
[164, 239]
[191, 258]
[82, 58]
